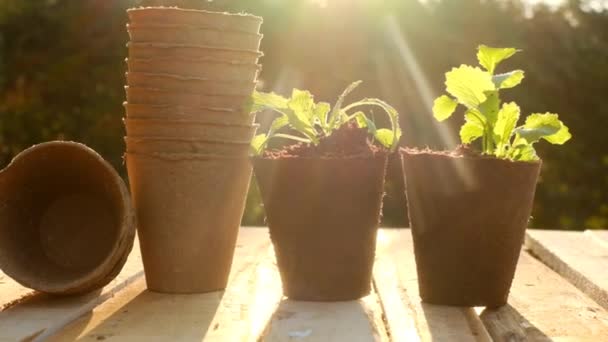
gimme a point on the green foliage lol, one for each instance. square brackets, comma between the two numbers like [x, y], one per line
[312, 121]
[479, 92]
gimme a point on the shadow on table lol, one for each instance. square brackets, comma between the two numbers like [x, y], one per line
[507, 324]
[160, 317]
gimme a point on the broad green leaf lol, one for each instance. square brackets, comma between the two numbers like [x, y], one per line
[473, 127]
[469, 85]
[334, 116]
[539, 126]
[303, 104]
[490, 57]
[508, 80]
[443, 107]
[321, 110]
[258, 143]
[524, 153]
[505, 125]
[278, 123]
[360, 119]
[261, 101]
[385, 137]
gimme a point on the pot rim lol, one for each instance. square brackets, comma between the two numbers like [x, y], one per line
[187, 122]
[377, 155]
[161, 45]
[186, 140]
[449, 155]
[177, 9]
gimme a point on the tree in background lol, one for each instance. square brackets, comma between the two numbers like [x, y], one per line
[62, 76]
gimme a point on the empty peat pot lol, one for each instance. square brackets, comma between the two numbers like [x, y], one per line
[323, 216]
[468, 216]
[218, 20]
[66, 220]
[185, 145]
[188, 84]
[189, 209]
[181, 113]
[163, 50]
[218, 70]
[189, 129]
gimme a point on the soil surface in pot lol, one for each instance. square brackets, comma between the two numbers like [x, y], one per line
[346, 142]
[323, 208]
[468, 214]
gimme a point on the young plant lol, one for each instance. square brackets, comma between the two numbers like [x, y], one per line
[313, 121]
[487, 118]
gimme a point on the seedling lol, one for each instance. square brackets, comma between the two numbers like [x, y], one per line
[313, 121]
[479, 92]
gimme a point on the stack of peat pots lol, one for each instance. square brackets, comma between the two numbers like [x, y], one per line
[190, 78]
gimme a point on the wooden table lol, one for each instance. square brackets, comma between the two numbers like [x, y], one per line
[560, 293]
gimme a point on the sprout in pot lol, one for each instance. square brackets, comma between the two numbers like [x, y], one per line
[323, 193]
[469, 208]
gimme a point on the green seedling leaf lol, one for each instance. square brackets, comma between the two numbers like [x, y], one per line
[278, 123]
[473, 128]
[390, 111]
[443, 107]
[321, 110]
[490, 107]
[336, 113]
[303, 104]
[469, 85]
[386, 137]
[508, 80]
[505, 126]
[524, 153]
[490, 57]
[258, 143]
[541, 126]
[271, 101]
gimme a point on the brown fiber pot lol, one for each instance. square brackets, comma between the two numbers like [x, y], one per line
[192, 52]
[66, 220]
[188, 129]
[468, 217]
[161, 97]
[178, 113]
[189, 208]
[191, 35]
[184, 145]
[323, 215]
[189, 84]
[209, 70]
[217, 20]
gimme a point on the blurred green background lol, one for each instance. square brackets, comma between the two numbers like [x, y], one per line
[62, 74]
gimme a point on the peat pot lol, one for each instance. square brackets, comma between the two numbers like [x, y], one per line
[323, 215]
[151, 96]
[189, 84]
[189, 208]
[220, 71]
[205, 19]
[192, 52]
[141, 128]
[468, 217]
[66, 220]
[181, 113]
[179, 145]
[192, 35]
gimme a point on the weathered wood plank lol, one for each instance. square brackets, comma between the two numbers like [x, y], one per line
[578, 257]
[240, 313]
[600, 236]
[351, 321]
[543, 306]
[38, 315]
[12, 292]
[432, 322]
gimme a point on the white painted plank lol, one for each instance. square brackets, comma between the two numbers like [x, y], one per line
[39, 314]
[433, 322]
[576, 256]
[240, 313]
[353, 321]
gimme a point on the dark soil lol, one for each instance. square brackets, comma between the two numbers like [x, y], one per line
[468, 218]
[347, 141]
